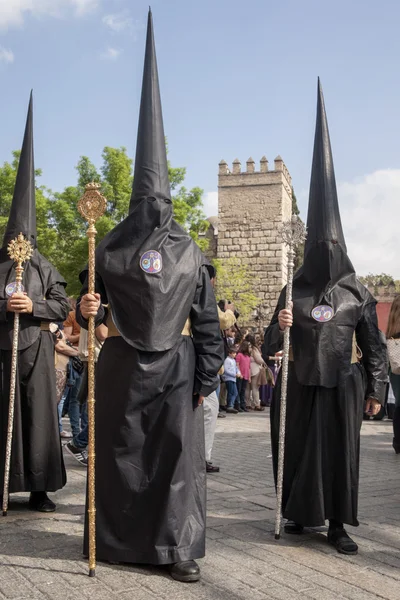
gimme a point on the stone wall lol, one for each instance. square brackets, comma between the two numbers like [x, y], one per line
[251, 206]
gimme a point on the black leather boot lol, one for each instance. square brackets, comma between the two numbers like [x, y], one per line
[396, 430]
[340, 539]
[186, 572]
[293, 528]
[41, 502]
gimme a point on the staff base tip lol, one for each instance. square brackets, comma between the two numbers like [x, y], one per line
[92, 572]
[277, 536]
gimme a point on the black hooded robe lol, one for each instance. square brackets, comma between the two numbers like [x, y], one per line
[150, 462]
[322, 443]
[327, 386]
[36, 457]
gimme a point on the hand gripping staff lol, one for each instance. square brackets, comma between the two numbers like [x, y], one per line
[19, 250]
[293, 234]
[91, 206]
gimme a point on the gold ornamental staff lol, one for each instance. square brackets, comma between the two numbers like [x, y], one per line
[92, 206]
[20, 250]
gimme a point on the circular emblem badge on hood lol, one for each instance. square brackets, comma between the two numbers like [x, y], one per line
[151, 262]
[322, 314]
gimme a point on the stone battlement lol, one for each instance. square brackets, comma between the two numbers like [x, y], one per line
[262, 177]
[251, 208]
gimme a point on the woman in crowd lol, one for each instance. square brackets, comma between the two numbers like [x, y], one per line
[63, 352]
[256, 363]
[393, 332]
[243, 361]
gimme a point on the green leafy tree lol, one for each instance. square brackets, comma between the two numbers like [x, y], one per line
[8, 172]
[61, 229]
[374, 282]
[234, 283]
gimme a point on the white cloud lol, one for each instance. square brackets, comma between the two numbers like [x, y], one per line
[13, 12]
[122, 21]
[370, 209]
[111, 54]
[210, 204]
[6, 56]
[118, 22]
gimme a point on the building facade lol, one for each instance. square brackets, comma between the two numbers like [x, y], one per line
[252, 205]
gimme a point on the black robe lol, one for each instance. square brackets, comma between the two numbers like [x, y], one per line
[322, 443]
[36, 459]
[150, 463]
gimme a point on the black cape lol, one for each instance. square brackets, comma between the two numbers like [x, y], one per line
[322, 443]
[150, 462]
[36, 459]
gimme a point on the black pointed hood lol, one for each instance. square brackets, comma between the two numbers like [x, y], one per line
[325, 253]
[323, 220]
[151, 166]
[148, 264]
[22, 217]
[39, 275]
[326, 282]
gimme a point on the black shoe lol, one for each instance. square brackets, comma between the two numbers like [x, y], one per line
[211, 469]
[293, 528]
[343, 543]
[221, 415]
[41, 502]
[80, 454]
[241, 410]
[396, 447]
[244, 409]
[186, 572]
[232, 411]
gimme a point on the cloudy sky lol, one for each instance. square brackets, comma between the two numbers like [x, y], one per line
[238, 79]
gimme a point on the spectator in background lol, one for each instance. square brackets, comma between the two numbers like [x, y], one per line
[393, 331]
[226, 315]
[77, 447]
[63, 353]
[72, 329]
[72, 332]
[256, 363]
[243, 361]
[231, 375]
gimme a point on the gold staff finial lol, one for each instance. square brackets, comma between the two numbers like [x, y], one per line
[91, 206]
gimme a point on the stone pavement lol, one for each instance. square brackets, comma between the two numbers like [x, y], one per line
[40, 555]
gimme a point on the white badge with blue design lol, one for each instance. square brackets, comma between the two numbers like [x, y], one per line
[151, 262]
[11, 288]
[322, 314]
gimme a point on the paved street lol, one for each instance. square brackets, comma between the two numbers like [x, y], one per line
[40, 556]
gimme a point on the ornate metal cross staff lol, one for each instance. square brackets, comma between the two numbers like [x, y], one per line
[92, 206]
[19, 250]
[293, 234]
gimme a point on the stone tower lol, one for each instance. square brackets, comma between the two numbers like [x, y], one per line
[251, 206]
